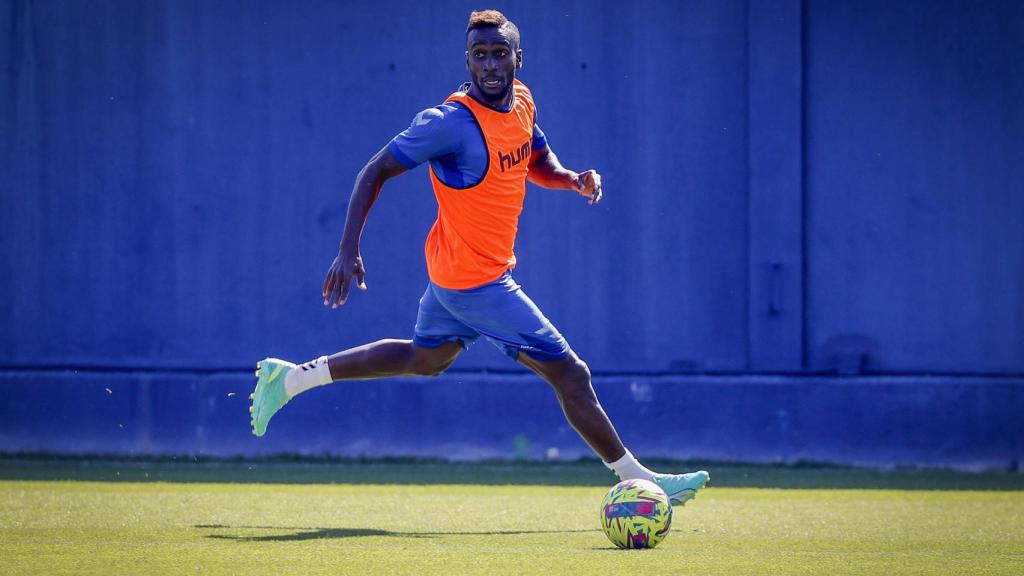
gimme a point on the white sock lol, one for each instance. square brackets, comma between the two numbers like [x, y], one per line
[628, 468]
[305, 376]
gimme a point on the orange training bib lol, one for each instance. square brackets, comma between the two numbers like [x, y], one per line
[472, 242]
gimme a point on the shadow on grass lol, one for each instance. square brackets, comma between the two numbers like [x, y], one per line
[295, 534]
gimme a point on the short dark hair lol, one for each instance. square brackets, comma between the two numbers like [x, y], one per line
[494, 19]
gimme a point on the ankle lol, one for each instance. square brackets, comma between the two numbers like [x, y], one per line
[629, 468]
[306, 376]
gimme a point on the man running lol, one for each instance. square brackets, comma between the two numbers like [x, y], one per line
[482, 144]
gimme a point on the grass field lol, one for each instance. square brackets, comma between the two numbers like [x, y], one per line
[111, 517]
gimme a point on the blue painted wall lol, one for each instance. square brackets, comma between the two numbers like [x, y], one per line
[966, 422]
[792, 187]
[180, 173]
[915, 179]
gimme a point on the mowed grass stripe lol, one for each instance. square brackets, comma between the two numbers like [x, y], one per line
[172, 528]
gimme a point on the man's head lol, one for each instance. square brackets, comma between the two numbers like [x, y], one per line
[492, 55]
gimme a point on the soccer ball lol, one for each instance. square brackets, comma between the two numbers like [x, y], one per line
[636, 514]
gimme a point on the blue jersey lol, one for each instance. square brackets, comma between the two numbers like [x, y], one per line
[449, 137]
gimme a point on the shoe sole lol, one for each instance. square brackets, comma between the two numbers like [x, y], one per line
[252, 396]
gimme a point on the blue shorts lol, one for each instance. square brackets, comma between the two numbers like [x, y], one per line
[500, 311]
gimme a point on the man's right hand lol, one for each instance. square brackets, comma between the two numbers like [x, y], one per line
[348, 264]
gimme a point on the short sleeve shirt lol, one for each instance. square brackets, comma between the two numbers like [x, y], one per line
[449, 137]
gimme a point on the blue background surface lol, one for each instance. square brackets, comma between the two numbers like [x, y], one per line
[812, 208]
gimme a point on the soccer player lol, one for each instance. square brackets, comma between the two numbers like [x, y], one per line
[483, 144]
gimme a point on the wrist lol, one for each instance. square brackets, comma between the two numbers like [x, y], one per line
[574, 180]
[348, 246]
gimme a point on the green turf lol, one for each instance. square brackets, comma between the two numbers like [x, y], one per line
[85, 527]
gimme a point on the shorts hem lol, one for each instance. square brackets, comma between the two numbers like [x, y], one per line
[544, 356]
[436, 341]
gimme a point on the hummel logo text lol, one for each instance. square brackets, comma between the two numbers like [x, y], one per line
[514, 157]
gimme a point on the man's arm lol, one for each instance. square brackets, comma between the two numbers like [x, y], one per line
[547, 171]
[349, 262]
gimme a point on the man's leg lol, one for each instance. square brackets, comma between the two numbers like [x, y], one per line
[385, 358]
[510, 319]
[570, 378]
[438, 339]
[280, 381]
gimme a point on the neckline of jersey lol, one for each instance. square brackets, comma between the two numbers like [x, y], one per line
[511, 104]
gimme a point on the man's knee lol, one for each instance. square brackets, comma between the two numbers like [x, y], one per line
[434, 361]
[581, 370]
[574, 379]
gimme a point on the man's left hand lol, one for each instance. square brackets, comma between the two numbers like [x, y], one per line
[588, 184]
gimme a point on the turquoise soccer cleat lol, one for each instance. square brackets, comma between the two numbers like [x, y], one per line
[681, 488]
[269, 395]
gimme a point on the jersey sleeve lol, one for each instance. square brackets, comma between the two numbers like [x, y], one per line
[429, 136]
[540, 141]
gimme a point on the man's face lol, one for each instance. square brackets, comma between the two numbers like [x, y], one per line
[492, 63]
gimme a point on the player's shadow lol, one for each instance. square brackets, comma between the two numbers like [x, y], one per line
[296, 534]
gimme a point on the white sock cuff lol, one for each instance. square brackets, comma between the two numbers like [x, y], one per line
[308, 375]
[628, 468]
[613, 466]
[322, 371]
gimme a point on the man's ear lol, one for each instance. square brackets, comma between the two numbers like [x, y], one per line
[467, 59]
[519, 58]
